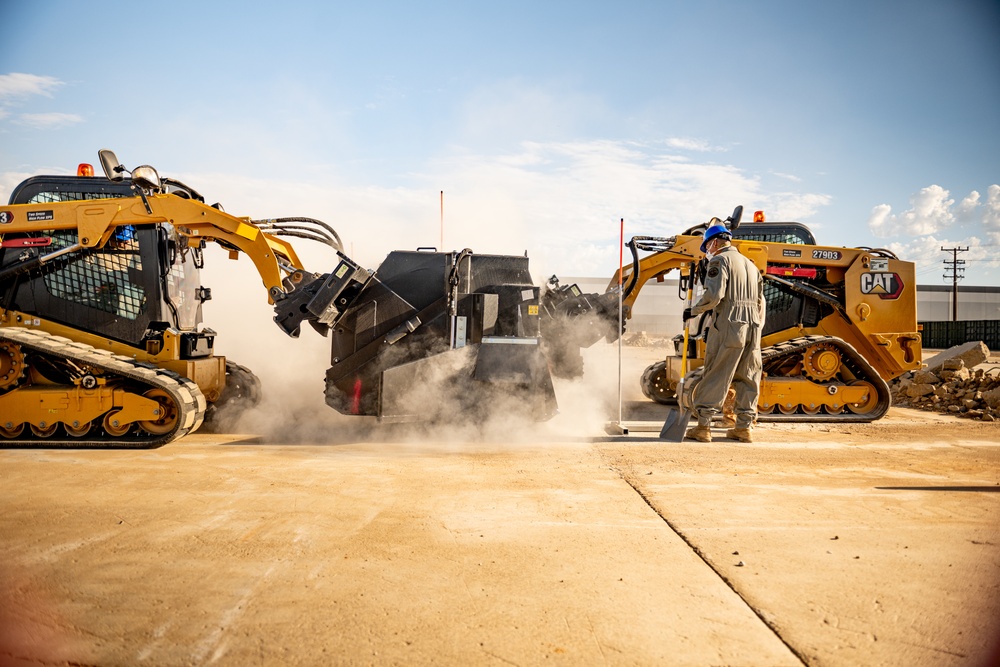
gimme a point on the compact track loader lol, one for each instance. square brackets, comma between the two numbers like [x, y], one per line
[840, 322]
[101, 336]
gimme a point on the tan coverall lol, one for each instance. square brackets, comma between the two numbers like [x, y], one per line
[734, 289]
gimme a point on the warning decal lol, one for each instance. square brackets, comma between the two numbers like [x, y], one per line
[39, 216]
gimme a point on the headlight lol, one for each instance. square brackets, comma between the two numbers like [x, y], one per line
[146, 177]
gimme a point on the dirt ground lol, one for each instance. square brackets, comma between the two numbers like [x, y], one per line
[873, 544]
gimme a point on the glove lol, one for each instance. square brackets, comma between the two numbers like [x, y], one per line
[687, 314]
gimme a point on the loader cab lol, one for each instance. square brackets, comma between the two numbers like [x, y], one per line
[786, 309]
[776, 232]
[143, 281]
[49, 189]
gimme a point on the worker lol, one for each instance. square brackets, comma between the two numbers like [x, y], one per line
[734, 291]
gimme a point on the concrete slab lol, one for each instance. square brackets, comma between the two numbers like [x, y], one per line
[859, 545]
[862, 544]
[221, 551]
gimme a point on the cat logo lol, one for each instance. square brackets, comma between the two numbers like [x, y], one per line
[886, 285]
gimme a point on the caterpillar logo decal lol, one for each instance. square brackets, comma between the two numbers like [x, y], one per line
[886, 285]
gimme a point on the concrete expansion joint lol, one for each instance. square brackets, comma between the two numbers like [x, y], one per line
[729, 584]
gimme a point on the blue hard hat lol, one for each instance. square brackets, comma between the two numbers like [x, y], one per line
[712, 232]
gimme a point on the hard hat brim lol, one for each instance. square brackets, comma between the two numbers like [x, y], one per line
[713, 232]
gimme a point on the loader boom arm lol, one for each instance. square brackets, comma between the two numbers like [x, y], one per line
[96, 220]
[864, 296]
[769, 258]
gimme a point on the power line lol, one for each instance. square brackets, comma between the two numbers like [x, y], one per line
[957, 273]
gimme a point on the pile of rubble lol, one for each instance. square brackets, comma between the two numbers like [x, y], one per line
[952, 383]
[642, 339]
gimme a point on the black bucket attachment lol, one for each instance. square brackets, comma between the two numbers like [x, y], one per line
[434, 335]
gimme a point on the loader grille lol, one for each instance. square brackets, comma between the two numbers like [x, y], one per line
[101, 279]
[55, 197]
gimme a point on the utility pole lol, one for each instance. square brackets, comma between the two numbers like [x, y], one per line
[956, 266]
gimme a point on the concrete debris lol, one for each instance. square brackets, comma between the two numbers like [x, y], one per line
[971, 354]
[951, 384]
[642, 339]
[925, 377]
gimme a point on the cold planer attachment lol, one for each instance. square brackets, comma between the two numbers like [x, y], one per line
[429, 336]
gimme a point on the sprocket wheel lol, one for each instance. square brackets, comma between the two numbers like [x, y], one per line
[821, 362]
[12, 364]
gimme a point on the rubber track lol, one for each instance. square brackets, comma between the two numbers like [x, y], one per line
[851, 358]
[187, 396]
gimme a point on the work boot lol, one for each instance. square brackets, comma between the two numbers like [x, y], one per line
[701, 433]
[741, 434]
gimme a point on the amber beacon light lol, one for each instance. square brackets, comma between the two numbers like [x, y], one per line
[758, 216]
[84, 169]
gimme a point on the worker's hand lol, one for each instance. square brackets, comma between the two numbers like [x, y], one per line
[687, 314]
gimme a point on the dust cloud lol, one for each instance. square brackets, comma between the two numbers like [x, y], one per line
[292, 374]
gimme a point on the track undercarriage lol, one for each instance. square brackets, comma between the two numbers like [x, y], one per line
[806, 379]
[58, 392]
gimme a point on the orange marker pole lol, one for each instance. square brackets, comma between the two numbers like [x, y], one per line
[621, 313]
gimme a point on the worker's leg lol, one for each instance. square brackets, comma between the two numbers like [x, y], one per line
[716, 378]
[746, 380]
[729, 408]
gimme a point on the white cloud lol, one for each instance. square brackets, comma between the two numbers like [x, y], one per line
[793, 206]
[991, 212]
[690, 144]
[933, 211]
[878, 221]
[49, 121]
[966, 210]
[930, 213]
[559, 201]
[16, 86]
[24, 85]
[926, 252]
[8, 181]
[789, 177]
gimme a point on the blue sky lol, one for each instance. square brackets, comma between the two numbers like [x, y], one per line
[875, 123]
